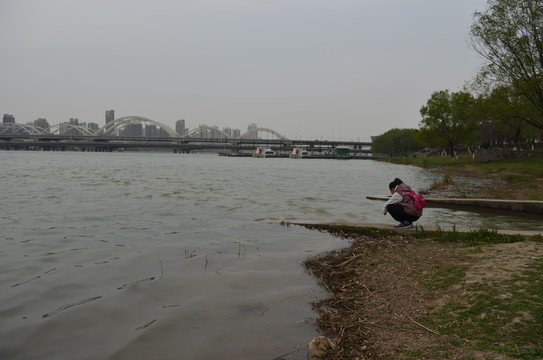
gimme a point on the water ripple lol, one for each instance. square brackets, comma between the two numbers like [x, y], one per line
[104, 218]
[67, 306]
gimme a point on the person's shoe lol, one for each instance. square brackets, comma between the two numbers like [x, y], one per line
[399, 225]
[404, 225]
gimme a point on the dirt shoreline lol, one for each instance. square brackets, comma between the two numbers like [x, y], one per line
[387, 288]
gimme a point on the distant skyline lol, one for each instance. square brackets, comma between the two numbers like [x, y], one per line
[343, 69]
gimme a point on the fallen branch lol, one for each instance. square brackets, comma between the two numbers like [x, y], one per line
[424, 327]
[295, 351]
[349, 260]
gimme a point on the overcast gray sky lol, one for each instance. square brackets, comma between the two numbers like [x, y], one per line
[310, 69]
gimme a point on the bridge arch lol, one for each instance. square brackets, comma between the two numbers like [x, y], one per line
[121, 123]
[21, 129]
[256, 130]
[70, 129]
[205, 127]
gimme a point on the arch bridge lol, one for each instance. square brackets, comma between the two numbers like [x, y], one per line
[116, 125]
[206, 128]
[112, 129]
[247, 135]
[70, 130]
[254, 132]
[21, 129]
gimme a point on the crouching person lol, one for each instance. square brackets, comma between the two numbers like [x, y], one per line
[401, 205]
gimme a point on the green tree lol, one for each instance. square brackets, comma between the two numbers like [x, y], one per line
[501, 114]
[447, 120]
[509, 37]
[396, 142]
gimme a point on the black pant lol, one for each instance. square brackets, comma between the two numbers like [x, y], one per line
[399, 214]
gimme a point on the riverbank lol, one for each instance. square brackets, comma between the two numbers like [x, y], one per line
[431, 295]
[519, 179]
[438, 294]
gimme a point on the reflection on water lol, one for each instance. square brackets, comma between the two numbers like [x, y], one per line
[138, 256]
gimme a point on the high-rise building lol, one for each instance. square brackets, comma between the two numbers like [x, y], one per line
[63, 128]
[236, 134]
[8, 119]
[110, 116]
[93, 126]
[180, 127]
[227, 131]
[162, 133]
[151, 131]
[214, 132]
[134, 130]
[253, 131]
[41, 122]
[203, 131]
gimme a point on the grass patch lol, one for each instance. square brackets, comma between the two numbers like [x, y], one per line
[504, 317]
[474, 237]
[443, 277]
[471, 238]
[532, 167]
[433, 161]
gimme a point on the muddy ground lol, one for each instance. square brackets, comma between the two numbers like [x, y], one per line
[381, 285]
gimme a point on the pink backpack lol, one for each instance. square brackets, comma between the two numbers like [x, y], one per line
[420, 201]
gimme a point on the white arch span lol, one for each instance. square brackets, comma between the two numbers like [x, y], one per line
[61, 129]
[256, 130]
[120, 123]
[21, 129]
[205, 127]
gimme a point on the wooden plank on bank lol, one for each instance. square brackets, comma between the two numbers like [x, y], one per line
[527, 206]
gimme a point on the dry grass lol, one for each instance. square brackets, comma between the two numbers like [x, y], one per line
[440, 185]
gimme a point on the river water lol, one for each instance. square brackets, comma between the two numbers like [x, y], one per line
[170, 256]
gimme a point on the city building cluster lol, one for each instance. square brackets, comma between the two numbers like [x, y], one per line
[62, 128]
[137, 129]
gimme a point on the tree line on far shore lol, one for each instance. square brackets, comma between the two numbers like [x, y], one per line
[503, 106]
